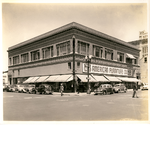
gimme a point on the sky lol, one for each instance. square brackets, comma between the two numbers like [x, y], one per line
[23, 21]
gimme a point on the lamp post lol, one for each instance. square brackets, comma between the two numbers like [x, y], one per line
[88, 60]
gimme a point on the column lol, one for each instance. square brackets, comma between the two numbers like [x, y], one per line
[115, 55]
[76, 46]
[29, 56]
[19, 58]
[90, 49]
[54, 50]
[124, 59]
[71, 47]
[103, 56]
[41, 53]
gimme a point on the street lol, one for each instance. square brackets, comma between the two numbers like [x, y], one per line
[82, 107]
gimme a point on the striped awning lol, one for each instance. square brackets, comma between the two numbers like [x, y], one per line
[112, 79]
[33, 80]
[83, 78]
[42, 79]
[130, 56]
[64, 78]
[128, 79]
[100, 78]
[29, 79]
[52, 78]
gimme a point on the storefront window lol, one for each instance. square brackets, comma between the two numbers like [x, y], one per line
[35, 55]
[16, 60]
[24, 57]
[120, 57]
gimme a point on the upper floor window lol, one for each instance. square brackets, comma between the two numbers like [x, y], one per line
[83, 48]
[78, 64]
[16, 60]
[24, 57]
[145, 60]
[120, 57]
[35, 55]
[108, 54]
[9, 61]
[97, 51]
[47, 52]
[135, 61]
[128, 60]
[69, 65]
[63, 48]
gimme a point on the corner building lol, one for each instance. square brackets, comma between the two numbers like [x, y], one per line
[59, 56]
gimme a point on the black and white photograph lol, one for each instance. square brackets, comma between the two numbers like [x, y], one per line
[75, 63]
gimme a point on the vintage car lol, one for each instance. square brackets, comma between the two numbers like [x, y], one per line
[5, 88]
[12, 88]
[144, 87]
[119, 88]
[30, 88]
[104, 89]
[45, 89]
[20, 88]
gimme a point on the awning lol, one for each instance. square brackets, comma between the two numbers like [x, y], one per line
[33, 80]
[130, 56]
[29, 79]
[112, 79]
[52, 78]
[64, 78]
[41, 79]
[83, 78]
[100, 78]
[129, 79]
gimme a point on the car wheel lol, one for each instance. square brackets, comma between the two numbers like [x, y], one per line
[104, 93]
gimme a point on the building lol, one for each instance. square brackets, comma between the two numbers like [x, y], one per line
[142, 44]
[60, 56]
[5, 77]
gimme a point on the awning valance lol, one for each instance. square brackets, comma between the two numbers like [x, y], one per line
[29, 79]
[52, 78]
[112, 79]
[33, 80]
[130, 56]
[129, 79]
[83, 78]
[100, 78]
[42, 79]
[64, 78]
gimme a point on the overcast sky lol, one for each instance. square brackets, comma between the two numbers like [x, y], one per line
[21, 22]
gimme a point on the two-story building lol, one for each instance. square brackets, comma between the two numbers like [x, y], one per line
[59, 56]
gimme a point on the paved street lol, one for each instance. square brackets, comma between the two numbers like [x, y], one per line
[74, 107]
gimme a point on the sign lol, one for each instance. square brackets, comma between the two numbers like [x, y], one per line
[107, 70]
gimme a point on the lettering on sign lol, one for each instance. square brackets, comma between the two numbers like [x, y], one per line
[106, 70]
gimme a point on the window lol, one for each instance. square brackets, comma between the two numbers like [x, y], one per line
[24, 57]
[16, 60]
[120, 57]
[35, 55]
[9, 61]
[69, 65]
[52, 51]
[57, 50]
[83, 48]
[128, 61]
[98, 51]
[78, 64]
[18, 72]
[135, 61]
[145, 60]
[47, 52]
[68, 47]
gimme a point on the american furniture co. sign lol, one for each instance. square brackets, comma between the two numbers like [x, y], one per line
[106, 70]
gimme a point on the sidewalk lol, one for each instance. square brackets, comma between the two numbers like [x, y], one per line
[73, 94]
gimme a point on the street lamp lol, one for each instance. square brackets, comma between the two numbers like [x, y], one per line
[88, 60]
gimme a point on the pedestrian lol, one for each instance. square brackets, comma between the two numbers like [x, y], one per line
[134, 91]
[61, 89]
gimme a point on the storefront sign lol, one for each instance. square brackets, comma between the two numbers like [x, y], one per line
[107, 70]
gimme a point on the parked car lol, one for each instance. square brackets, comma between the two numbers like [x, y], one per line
[104, 89]
[5, 88]
[30, 88]
[12, 88]
[45, 89]
[20, 88]
[144, 87]
[119, 88]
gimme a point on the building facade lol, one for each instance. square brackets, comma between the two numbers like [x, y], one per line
[59, 56]
[142, 44]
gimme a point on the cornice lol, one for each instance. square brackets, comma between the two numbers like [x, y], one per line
[70, 26]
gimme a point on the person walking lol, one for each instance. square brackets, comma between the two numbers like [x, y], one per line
[61, 89]
[134, 91]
